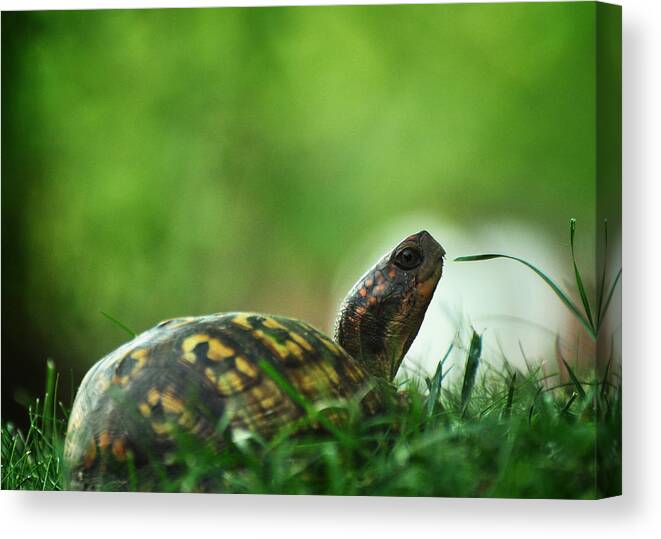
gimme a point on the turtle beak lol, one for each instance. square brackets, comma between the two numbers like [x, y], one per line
[431, 274]
[431, 246]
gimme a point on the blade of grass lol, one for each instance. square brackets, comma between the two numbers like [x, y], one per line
[472, 363]
[558, 292]
[45, 473]
[428, 382]
[510, 395]
[610, 294]
[577, 273]
[572, 377]
[49, 398]
[532, 404]
[436, 382]
[119, 324]
[565, 409]
[54, 436]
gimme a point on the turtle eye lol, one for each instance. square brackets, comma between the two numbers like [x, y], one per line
[408, 258]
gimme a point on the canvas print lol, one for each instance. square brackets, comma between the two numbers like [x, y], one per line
[340, 250]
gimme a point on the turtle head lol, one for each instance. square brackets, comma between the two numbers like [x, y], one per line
[384, 310]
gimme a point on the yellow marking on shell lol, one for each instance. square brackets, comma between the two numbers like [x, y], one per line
[267, 403]
[186, 420]
[190, 343]
[139, 354]
[118, 449]
[330, 344]
[230, 383]
[244, 366]
[172, 404]
[241, 319]
[258, 393]
[218, 351]
[295, 349]
[211, 375]
[102, 384]
[353, 373]
[145, 409]
[90, 455]
[369, 282]
[331, 373]
[120, 380]
[193, 340]
[304, 382]
[153, 396]
[279, 349]
[75, 420]
[300, 340]
[362, 292]
[104, 439]
[190, 357]
[140, 357]
[161, 427]
[272, 323]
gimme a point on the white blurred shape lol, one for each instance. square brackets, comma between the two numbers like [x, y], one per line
[504, 301]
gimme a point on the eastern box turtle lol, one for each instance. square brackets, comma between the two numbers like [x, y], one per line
[186, 374]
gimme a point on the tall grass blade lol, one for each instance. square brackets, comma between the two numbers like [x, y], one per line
[565, 409]
[435, 384]
[55, 436]
[577, 273]
[428, 382]
[531, 410]
[510, 394]
[572, 377]
[472, 363]
[558, 292]
[610, 294]
[48, 412]
[119, 324]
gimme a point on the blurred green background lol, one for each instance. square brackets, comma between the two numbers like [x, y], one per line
[157, 163]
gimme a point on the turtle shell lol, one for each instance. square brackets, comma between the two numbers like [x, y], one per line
[190, 375]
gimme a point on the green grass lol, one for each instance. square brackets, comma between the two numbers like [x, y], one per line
[505, 434]
[33, 461]
[488, 433]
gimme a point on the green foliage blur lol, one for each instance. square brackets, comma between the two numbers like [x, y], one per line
[158, 163]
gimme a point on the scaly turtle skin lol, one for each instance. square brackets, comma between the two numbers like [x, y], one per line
[190, 374]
